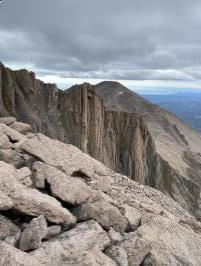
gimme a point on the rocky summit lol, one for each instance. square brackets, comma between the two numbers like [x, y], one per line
[113, 125]
[95, 175]
[59, 206]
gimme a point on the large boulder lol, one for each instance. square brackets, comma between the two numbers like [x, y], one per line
[104, 213]
[69, 189]
[7, 120]
[67, 158]
[134, 225]
[12, 134]
[30, 201]
[68, 247]
[21, 127]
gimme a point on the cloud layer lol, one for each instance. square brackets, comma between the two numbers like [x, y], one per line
[108, 39]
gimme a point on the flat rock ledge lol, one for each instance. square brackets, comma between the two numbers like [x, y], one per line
[59, 206]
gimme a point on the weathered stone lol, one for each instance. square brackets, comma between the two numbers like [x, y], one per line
[52, 231]
[62, 156]
[172, 244]
[30, 201]
[115, 236]
[118, 254]
[33, 234]
[4, 142]
[150, 260]
[23, 175]
[11, 156]
[5, 202]
[21, 127]
[137, 249]
[7, 120]
[131, 251]
[102, 183]
[10, 256]
[69, 246]
[93, 257]
[13, 135]
[133, 216]
[104, 213]
[9, 232]
[69, 189]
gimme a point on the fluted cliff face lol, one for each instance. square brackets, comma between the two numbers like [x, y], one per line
[78, 116]
[119, 128]
[118, 139]
[30, 100]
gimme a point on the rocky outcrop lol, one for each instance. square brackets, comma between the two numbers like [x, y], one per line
[78, 212]
[112, 124]
[176, 163]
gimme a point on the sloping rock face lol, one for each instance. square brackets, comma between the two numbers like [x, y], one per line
[118, 128]
[177, 163]
[77, 212]
[29, 100]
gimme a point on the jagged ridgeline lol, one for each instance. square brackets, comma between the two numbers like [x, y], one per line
[115, 126]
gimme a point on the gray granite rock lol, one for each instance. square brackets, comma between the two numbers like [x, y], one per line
[104, 213]
[10, 256]
[135, 224]
[69, 189]
[32, 235]
[53, 231]
[21, 127]
[30, 201]
[9, 232]
[70, 246]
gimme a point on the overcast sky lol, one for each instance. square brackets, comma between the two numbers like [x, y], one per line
[154, 42]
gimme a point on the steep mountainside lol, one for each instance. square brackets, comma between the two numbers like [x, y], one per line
[177, 147]
[61, 207]
[120, 129]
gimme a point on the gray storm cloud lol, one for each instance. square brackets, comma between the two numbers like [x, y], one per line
[117, 39]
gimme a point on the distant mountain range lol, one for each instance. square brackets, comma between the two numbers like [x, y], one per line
[187, 106]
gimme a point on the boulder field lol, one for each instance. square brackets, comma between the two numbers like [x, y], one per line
[59, 206]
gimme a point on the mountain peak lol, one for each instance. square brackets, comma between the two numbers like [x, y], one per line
[117, 127]
[119, 98]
